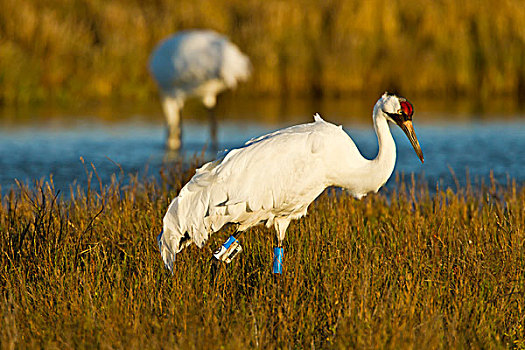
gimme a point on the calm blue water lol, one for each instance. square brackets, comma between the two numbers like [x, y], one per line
[34, 151]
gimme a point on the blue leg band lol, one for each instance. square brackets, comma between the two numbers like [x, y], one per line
[277, 260]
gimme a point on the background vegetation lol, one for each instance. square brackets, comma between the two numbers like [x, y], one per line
[401, 269]
[72, 51]
[395, 270]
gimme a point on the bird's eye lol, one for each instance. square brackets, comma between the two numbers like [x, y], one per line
[400, 111]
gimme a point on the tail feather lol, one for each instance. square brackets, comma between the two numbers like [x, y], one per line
[235, 66]
[204, 206]
[188, 218]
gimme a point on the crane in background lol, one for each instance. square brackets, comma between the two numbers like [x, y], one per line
[274, 178]
[195, 63]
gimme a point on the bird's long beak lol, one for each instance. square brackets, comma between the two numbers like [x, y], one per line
[408, 128]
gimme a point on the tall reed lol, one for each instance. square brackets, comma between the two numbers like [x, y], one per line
[401, 269]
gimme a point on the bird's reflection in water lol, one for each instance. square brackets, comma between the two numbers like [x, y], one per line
[191, 154]
[171, 157]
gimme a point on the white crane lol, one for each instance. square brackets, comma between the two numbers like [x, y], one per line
[275, 177]
[195, 63]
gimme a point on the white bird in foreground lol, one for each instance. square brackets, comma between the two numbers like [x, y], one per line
[275, 177]
[195, 63]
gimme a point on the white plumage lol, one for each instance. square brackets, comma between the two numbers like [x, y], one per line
[274, 178]
[195, 63]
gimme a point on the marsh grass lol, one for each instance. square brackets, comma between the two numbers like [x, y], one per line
[400, 269]
[67, 52]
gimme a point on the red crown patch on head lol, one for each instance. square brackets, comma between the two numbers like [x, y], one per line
[407, 108]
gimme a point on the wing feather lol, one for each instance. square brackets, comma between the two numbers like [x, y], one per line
[277, 175]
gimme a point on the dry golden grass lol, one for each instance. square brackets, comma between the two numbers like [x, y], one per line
[401, 269]
[71, 51]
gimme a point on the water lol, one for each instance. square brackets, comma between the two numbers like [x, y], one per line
[36, 148]
[30, 153]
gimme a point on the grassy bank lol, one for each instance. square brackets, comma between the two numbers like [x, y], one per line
[396, 270]
[71, 51]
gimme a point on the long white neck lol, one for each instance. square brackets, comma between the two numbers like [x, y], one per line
[370, 175]
[382, 166]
